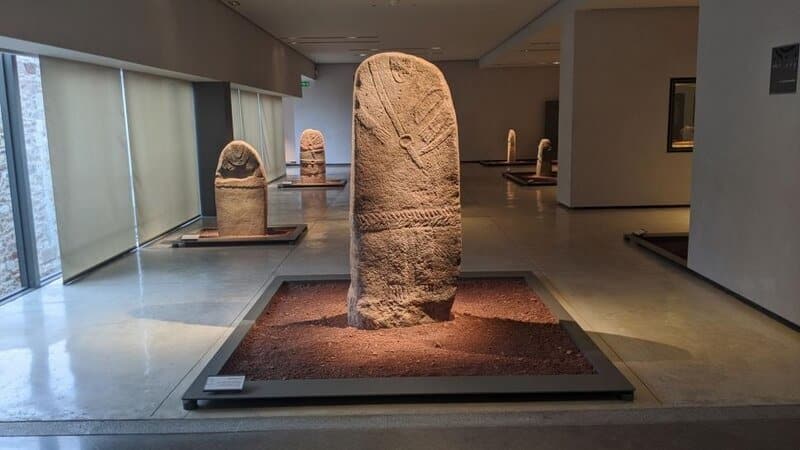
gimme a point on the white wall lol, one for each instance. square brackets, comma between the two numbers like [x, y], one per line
[487, 101]
[327, 106]
[196, 37]
[623, 62]
[565, 110]
[745, 214]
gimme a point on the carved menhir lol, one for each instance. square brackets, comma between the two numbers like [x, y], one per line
[405, 248]
[544, 163]
[511, 146]
[240, 191]
[312, 156]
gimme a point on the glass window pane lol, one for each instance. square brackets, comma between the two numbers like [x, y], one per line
[10, 281]
[38, 160]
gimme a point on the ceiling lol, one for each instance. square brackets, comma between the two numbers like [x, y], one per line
[498, 32]
[337, 31]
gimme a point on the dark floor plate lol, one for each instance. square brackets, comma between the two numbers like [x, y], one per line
[503, 162]
[530, 179]
[606, 382]
[284, 234]
[297, 184]
[672, 246]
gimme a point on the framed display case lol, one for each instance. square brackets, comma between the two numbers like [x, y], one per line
[680, 135]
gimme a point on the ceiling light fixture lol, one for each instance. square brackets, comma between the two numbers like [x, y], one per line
[556, 62]
[234, 3]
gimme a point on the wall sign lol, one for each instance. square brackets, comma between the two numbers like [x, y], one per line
[305, 83]
[783, 77]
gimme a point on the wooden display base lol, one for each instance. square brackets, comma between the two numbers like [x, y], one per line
[296, 184]
[530, 179]
[603, 380]
[209, 237]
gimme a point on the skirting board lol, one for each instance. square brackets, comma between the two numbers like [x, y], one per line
[606, 382]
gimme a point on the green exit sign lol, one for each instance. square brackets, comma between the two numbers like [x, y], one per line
[304, 83]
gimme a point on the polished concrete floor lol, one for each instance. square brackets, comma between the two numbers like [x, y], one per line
[126, 341]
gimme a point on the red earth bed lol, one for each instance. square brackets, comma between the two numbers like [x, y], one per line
[499, 327]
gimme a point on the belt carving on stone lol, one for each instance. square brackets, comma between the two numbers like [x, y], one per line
[411, 218]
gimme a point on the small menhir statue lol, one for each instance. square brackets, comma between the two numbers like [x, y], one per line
[240, 191]
[544, 162]
[405, 250]
[511, 146]
[312, 157]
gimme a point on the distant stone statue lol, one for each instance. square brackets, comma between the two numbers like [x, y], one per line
[312, 156]
[405, 243]
[240, 191]
[511, 146]
[544, 163]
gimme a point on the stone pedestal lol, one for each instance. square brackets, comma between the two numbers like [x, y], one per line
[405, 205]
[240, 190]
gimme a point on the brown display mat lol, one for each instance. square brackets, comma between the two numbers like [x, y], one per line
[499, 327]
[297, 184]
[605, 380]
[530, 179]
[209, 237]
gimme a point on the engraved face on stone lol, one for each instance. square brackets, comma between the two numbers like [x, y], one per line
[240, 191]
[405, 200]
[312, 156]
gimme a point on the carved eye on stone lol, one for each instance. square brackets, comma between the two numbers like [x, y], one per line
[401, 69]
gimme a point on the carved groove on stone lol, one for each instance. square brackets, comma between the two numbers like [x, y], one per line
[411, 218]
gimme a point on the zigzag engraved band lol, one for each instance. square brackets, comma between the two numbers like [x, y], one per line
[392, 220]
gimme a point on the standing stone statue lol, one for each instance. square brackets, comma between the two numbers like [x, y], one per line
[405, 238]
[312, 156]
[511, 146]
[240, 191]
[544, 164]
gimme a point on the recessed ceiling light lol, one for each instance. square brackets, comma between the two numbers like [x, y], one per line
[234, 3]
[352, 37]
[436, 48]
[362, 55]
[556, 62]
[373, 49]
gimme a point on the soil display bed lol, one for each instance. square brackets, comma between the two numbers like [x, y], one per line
[209, 237]
[499, 327]
[530, 179]
[508, 339]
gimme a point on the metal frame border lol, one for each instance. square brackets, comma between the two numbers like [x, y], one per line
[607, 381]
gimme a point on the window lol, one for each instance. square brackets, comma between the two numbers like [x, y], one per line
[11, 281]
[681, 115]
[29, 248]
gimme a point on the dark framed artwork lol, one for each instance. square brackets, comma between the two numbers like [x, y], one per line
[680, 130]
[783, 71]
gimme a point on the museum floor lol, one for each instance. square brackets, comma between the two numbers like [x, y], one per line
[114, 352]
